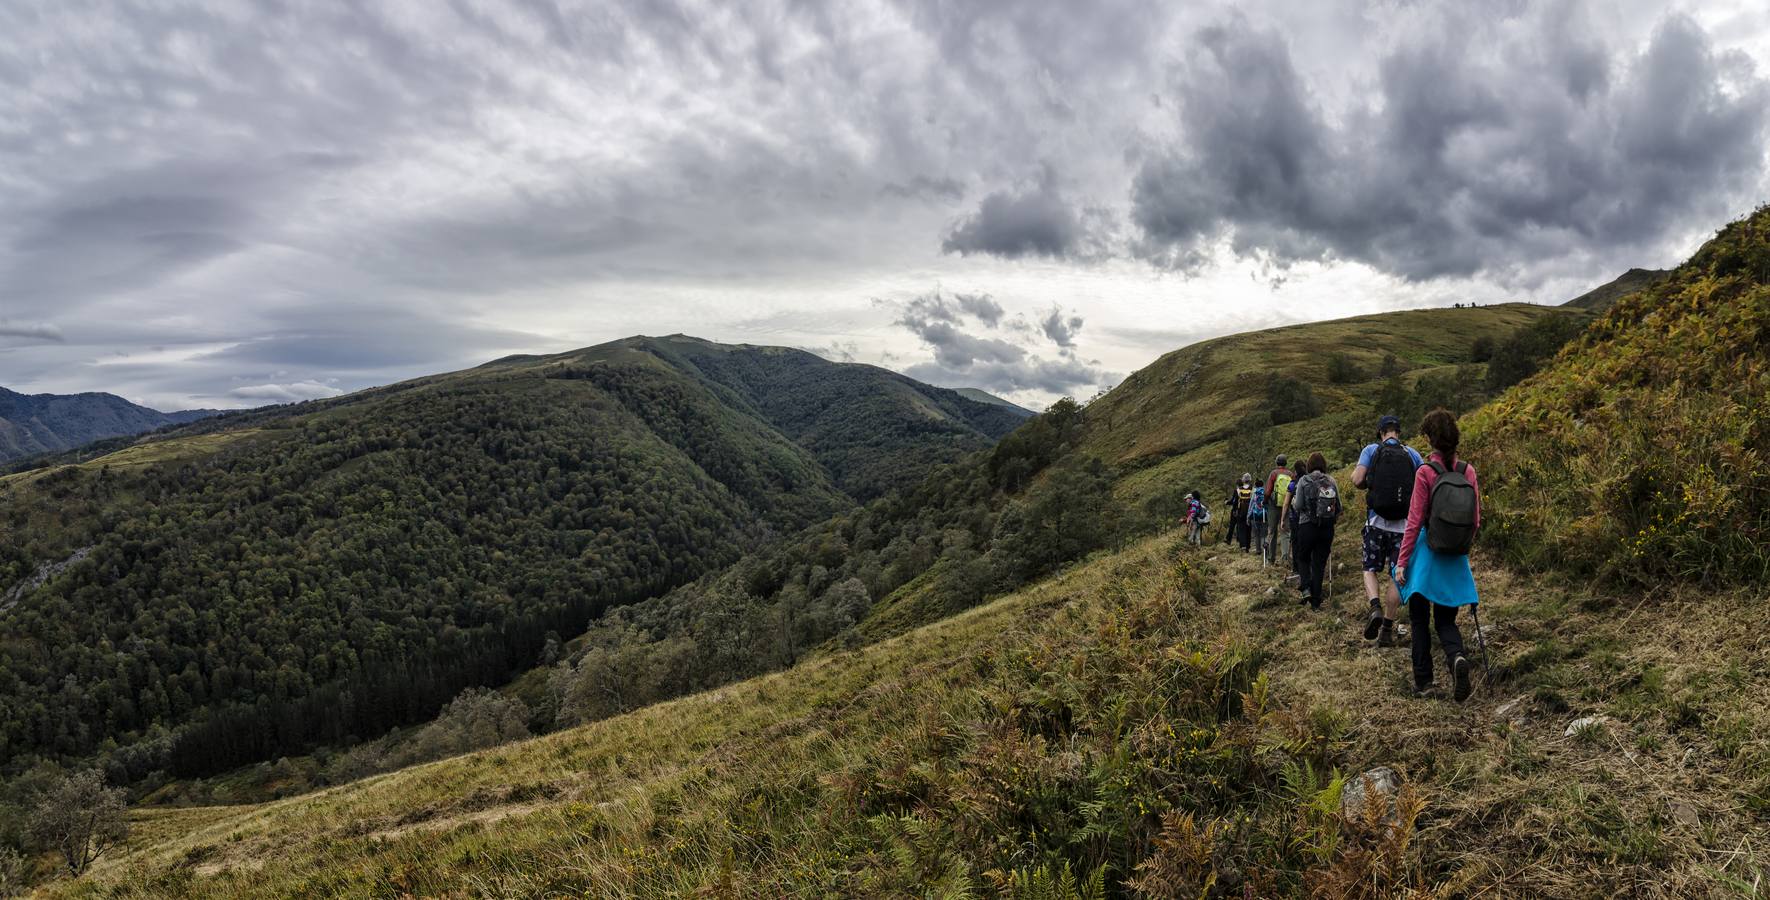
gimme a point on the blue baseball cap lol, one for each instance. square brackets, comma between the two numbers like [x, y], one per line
[1387, 422]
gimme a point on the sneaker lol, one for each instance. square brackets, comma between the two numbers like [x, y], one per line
[1386, 636]
[1460, 669]
[1425, 690]
[1375, 623]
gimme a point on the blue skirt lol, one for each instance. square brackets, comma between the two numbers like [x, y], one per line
[1444, 580]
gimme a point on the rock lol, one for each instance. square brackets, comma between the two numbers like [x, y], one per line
[1382, 785]
[1684, 813]
[1512, 710]
[1581, 724]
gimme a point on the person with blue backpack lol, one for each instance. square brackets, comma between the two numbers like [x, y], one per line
[1385, 471]
[1257, 520]
[1434, 578]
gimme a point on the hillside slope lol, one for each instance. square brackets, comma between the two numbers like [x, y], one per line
[249, 587]
[1152, 719]
[47, 423]
[1602, 297]
[1640, 453]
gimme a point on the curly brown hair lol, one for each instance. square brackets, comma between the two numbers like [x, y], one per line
[1440, 429]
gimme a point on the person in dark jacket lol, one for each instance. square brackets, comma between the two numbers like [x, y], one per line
[1315, 529]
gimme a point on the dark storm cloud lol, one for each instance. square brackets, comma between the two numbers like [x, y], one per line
[1034, 222]
[1490, 147]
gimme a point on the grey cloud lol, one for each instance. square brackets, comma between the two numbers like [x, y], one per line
[1033, 222]
[291, 392]
[980, 307]
[922, 187]
[1502, 148]
[966, 359]
[1067, 377]
[40, 331]
[1061, 329]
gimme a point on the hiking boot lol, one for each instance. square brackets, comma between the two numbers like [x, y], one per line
[1427, 690]
[1386, 637]
[1375, 623]
[1460, 669]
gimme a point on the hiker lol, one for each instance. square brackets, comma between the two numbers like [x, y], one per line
[1297, 473]
[1229, 523]
[1278, 481]
[1257, 521]
[1244, 505]
[1434, 577]
[1385, 472]
[1318, 509]
[1197, 517]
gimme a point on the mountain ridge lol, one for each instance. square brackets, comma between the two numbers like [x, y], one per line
[32, 424]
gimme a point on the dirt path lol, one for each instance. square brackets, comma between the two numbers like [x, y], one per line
[1655, 800]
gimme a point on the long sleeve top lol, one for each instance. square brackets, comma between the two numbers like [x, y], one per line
[1424, 478]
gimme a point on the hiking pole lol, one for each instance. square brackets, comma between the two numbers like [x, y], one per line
[1486, 672]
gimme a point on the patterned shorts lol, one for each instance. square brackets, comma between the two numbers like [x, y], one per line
[1382, 549]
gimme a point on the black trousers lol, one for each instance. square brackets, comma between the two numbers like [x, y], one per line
[1443, 620]
[1243, 531]
[1314, 539]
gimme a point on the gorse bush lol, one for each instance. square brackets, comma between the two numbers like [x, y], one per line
[1639, 452]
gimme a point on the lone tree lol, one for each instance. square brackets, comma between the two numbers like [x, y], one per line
[82, 818]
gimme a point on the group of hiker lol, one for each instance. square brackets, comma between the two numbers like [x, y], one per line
[1421, 515]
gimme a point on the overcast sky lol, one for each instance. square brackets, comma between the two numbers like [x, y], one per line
[210, 203]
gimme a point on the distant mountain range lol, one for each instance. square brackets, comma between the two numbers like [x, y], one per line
[47, 423]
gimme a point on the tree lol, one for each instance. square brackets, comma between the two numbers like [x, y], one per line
[1342, 370]
[1291, 400]
[81, 818]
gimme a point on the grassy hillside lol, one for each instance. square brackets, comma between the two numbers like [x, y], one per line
[250, 587]
[1602, 297]
[1205, 392]
[1640, 453]
[1151, 722]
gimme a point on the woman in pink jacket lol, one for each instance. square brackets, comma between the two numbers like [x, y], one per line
[1434, 576]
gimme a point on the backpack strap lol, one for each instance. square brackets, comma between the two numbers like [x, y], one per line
[1462, 468]
[1439, 468]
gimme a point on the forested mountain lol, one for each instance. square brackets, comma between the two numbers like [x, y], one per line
[46, 423]
[247, 587]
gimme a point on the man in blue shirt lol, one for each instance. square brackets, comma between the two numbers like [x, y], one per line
[1385, 471]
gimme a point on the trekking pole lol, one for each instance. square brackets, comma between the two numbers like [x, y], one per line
[1486, 672]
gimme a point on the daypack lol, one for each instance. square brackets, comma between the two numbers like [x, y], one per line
[1318, 499]
[1391, 481]
[1204, 514]
[1243, 499]
[1280, 486]
[1257, 509]
[1450, 519]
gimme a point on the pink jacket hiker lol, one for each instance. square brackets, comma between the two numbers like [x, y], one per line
[1424, 479]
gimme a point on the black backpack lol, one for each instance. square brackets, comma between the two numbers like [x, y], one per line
[1450, 524]
[1318, 498]
[1391, 481]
